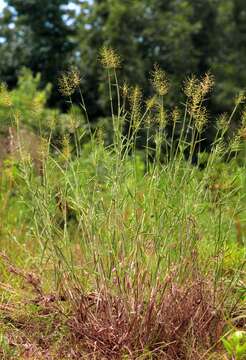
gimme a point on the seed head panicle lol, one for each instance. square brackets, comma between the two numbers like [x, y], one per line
[196, 90]
[242, 129]
[201, 118]
[220, 149]
[223, 122]
[100, 136]
[109, 58]
[5, 98]
[151, 103]
[207, 84]
[191, 86]
[135, 98]
[235, 144]
[75, 76]
[159, 81]
[242, 133]
[66, 148]
[17, 118]
[44, 148]
[243, 118]
[69, 81]
[175, 115]
[125, 89]
[149, 120]
[162, 117]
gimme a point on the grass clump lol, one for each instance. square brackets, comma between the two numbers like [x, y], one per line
[141, 246]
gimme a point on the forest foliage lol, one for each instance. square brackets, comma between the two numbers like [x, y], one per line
[183, 37]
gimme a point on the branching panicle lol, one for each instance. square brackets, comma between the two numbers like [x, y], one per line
[109, 58]
[5, 98]
[159, 81]
[69, 81]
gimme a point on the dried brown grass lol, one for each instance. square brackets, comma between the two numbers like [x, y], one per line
[174, 322]
[129, 321]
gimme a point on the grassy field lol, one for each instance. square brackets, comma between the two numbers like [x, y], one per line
[109, 251]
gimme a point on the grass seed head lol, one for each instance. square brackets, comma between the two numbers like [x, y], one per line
[69, 81]
[75, 77]
[5, 98]
[66, 148]
[243, 118]
[201, 118]
[109, 58]
[220, 149]
[195, 91]
[162, 117]
[242, 133]
[242, 129]
[159, 81]
[207, 84]
[175, 115]
[44, 149]
[125, 90]
[135, 103]
[235, 143]
[191, 86]
[223, 122]
[149, 120]
[17, 118]
[151, 103]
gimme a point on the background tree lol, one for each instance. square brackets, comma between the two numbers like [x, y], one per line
[182, 36]
[144, 33]
[38, 34]
[228, 64]
[13, 51]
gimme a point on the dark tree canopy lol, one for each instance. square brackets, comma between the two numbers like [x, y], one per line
[182, 36]
[40, 37]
